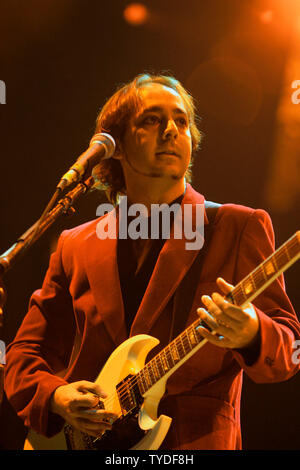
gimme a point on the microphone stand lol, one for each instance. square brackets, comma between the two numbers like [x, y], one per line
[18, 249]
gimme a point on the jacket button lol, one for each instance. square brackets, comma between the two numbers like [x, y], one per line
[269, 361]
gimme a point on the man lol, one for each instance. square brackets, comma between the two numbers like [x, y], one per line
[103, 291]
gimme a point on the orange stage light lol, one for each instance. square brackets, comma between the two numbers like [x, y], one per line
[267, 16]
[136, 14]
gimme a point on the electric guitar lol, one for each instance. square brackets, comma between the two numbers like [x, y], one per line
[134, 389]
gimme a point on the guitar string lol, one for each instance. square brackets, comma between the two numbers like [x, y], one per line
[131, 383]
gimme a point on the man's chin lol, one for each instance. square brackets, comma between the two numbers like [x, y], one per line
[166, 175]
[168, 172]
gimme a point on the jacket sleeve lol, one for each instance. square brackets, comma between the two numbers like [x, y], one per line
[270, 359]
[41, 349]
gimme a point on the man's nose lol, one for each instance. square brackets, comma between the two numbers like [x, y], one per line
[170, 131]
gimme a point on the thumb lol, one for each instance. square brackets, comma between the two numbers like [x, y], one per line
[85, 386]
[224, 286]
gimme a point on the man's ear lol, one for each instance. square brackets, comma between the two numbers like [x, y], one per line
[118, 155]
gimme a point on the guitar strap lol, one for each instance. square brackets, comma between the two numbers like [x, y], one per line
[187, 289]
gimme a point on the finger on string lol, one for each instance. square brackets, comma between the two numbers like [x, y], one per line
[207, 318]
[210, 304]
[235, 313]
[218, 325]
[214, 309]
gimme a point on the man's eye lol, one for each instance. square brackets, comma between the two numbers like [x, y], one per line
[182, 122]
[151, 120]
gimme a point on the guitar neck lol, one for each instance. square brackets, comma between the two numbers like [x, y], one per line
[262, 276]
[190, 340]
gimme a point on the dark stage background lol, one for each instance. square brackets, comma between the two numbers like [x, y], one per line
[60, 61]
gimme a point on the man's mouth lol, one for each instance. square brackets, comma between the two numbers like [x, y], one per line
[167, 152]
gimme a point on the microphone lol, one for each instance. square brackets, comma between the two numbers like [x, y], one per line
[102, 146]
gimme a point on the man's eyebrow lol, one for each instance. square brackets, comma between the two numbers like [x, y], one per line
[159, 109]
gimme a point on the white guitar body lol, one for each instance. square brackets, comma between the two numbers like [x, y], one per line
[128, 358]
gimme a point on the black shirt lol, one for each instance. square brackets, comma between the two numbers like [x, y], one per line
[136, 262]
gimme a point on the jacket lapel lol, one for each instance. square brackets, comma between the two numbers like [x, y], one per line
[103, 276]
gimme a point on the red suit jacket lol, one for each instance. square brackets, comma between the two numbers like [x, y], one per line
[81, 295]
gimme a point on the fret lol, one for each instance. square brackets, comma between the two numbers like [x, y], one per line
[192, 336]
[155, 369]
[281, 258]
[287, 253]
[185, 340]
[188, 338]
[180, 348]
[269, 268]
[184, 353]
[169, 357]
[239, 295]
[293, 248]
[248, 286]
[262, 270]
[242, 289]
[151, 373]
[141, 382]
[258, 278]
[144, 381]
[160, 367]
[174, 352]
[165, 365]
[147, 377]
[275, 263]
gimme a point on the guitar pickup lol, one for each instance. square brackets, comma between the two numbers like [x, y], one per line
[128, 394]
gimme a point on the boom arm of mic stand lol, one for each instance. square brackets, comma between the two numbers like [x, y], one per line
[14, 253]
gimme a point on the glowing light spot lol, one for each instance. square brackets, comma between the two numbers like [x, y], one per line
[136, 14]
[267, 16]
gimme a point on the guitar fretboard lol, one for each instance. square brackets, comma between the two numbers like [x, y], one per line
[184, 345]
[262, 276]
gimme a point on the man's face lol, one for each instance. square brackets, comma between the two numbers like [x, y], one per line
[157, 141]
